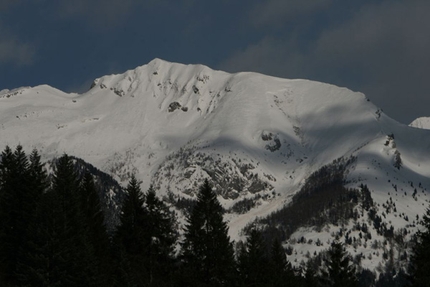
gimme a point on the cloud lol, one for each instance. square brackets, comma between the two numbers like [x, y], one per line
[14, 51]
[100, 12]
[79, 88]
[269, 56]
[379, 33]
[387, 45]
[6, 4]
[381, 49]
[276, 12]
[105, 14]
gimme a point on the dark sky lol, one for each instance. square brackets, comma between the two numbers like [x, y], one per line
[380, 48]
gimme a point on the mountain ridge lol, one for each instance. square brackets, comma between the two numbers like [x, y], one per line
[256, 137]
[421, 122]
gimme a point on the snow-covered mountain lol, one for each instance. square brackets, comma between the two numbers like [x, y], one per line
[257, 137]
[421, 123]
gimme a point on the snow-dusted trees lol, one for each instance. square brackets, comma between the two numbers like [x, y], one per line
[420, 262]
[397, 160]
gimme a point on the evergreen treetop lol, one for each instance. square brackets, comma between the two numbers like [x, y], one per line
[419, 268]
[253, 262]
[207, 252]
[340, 270]
[131, 240]
[280, 268]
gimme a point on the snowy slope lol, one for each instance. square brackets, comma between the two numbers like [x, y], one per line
[421, 123]
[255, 136]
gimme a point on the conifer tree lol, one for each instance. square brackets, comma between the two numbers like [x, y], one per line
[131, 238]
[38, 176]
[281, 272]
[310, 277]
[340, 270]
[38, 183]
[17, 205]
[46, 260]
[160, 228]
[95, 228]
[207, 252]
[59, 252]
[419, 268]
[253, 262]
[9, 199]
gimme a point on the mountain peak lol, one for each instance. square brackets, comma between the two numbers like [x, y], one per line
[256, 137]
[421, 123]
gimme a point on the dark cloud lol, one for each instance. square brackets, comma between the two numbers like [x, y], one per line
[389, 31]
[7, 4]
[79, 88]
[13, 51]
[388, 45]
[382, 50]
[16, 53]
[277, 12]
[269, 56]
[103, 13]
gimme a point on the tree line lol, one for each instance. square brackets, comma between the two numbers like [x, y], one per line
[52, 233]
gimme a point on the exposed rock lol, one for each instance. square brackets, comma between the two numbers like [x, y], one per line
[173, 106]
[274, 146]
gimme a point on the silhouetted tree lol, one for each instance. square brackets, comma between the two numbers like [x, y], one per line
[253, 262]
[162, 237]
[13, 220]
[281, 273]
[59, 252]
[310, 276]
[420, 260]
[21, 185]
[340, 270]
[95, 229]
[131, 238]
[207, 253]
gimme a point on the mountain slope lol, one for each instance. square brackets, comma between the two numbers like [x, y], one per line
[422, 123]
[257, 137]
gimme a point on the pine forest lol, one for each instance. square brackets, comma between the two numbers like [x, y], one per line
[55, 230]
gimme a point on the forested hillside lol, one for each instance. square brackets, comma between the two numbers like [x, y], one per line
[53, 232]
